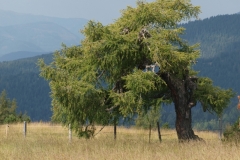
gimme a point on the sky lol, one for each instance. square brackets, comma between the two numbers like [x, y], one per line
[105, 11]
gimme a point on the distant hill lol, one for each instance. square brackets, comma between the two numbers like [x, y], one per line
[20, 78]
[19, 55]
[32, 33]
[216, 35]
[35, 37]
[9, 18]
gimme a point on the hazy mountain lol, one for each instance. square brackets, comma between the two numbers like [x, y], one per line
[19, 55]
[32, 33]
[35, 37]
[9, 18]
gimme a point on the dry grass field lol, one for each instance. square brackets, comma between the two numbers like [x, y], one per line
[50, 142]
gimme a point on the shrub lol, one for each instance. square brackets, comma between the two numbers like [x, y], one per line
[166, 126]
[232, 133]
[8, 110]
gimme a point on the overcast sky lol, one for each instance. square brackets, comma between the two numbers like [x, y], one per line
[105, 11]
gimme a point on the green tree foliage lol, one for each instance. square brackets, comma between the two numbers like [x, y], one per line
[77, 96]
[130, 66]
[232, 132]
[8, 110]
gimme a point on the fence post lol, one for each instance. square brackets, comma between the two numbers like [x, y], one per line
[115, 129]
[220, 127]
[24, 129]
[150, 128]
[159, 133]
[239, 123]
[7, 126]
[69, 133]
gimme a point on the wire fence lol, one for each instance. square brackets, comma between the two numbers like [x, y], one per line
[210, 125]
[37, 129]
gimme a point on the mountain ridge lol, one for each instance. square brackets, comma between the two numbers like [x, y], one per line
[20, 55]
[214, 36]
[36, 33]
[39, 36]
[9, 18]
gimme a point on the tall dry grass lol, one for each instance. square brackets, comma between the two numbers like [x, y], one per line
[50, 142]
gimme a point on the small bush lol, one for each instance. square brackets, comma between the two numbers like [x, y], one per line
[10, 119]
[8, 110]
[166, 126]
[232, 133]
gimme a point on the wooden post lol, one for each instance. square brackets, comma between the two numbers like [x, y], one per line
[7, 126]
[150, 128]
[220, 127]
[159, 133]
[115, 129]
[69, 133]
[24, 128]
[239, 123]
[238, 109]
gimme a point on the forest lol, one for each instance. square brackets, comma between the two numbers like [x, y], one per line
[20, 79]
[219, 53]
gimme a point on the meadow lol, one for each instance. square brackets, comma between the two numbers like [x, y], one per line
[45, 141]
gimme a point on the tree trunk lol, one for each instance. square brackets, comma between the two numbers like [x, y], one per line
[181, 93]
[184, 121]
[159, 134]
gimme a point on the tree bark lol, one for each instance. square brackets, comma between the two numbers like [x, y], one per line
[181, 93]
[184, 121]
[159, 134]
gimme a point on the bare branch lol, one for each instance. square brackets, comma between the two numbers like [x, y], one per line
[99, 131]
[100, 75]
[110, 109]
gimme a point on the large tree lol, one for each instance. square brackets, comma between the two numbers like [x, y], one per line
[130, 66]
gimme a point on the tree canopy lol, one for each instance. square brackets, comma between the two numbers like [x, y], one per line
[128, 67]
